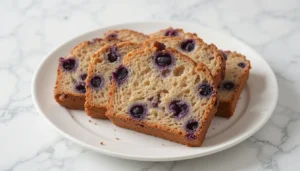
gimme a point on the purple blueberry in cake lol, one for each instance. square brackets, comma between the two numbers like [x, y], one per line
[190, 136]
[112, 55]
[137, 111]
[96, 82]
[163, 59]
[112, 35]
[68, 64]
[171, 32]
[191, 126]
[178, 108]
[80, 87]
[205, 90]
[227, 85]
[120, 74]
[83, 76]
[188, 45]
[241, 64]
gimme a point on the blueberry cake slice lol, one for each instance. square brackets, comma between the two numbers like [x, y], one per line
[236, 75]
[72, 70]
[103, 63]
[198, 51]
[126, 35]
[161, 92]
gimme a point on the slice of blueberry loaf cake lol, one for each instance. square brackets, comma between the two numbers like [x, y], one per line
[161, 92]
[236, 75]
[126, 35]
[103, 63]
[198, 51]
[72, 70]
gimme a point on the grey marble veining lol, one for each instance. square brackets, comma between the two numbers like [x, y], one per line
[31, 28]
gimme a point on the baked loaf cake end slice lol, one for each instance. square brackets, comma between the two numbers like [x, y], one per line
[236, 75]
[126, 35]
[198, 51]
[103, 63]
[69, 89]
[161, 92]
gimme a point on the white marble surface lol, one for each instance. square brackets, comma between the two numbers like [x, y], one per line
[30, 29]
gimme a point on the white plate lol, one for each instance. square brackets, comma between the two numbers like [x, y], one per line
[255, 106]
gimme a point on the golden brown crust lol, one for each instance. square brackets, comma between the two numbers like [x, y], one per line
[127, 35]
[227, 108]
[156, 129]
[96, 111]
[150, 130]
[70, 101]
[87, 43]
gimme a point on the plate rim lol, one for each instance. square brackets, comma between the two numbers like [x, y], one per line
[228, 144]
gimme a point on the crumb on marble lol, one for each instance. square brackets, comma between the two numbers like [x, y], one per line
[90, 121]
[117, 138]
[101, 143]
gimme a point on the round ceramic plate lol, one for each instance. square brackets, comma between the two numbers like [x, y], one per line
[254, 108]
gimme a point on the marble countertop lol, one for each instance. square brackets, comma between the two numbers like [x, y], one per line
[30, 29]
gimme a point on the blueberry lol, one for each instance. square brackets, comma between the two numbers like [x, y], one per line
[227, 85]
[190, 136]
[191, 126]
[241, 64]
[80, 87]
[137, 111]
[163, 59]
[96, 81]
[171, 32]
[205, 90]
[83, 76]
[120, 74]
[188, 45]
[112, 35]
[178, 108]
[112, 55]
[68, 64]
